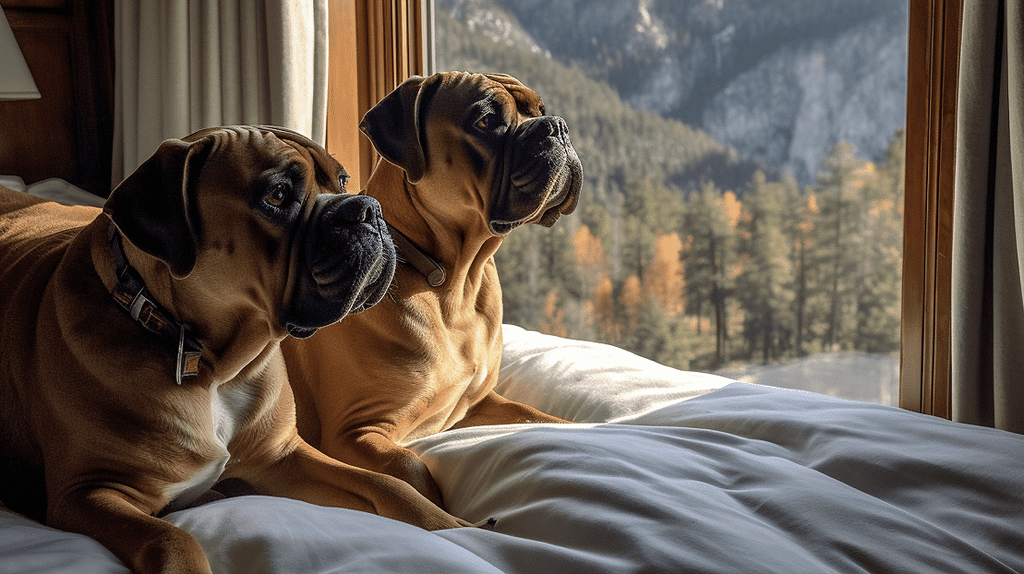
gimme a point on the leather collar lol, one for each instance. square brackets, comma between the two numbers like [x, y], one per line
[133, 298]
[413, 255]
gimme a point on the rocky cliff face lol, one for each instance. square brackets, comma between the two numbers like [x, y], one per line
[780, 81]
[798, 101]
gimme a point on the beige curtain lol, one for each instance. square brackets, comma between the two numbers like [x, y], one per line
[182, 65]
[988, 222]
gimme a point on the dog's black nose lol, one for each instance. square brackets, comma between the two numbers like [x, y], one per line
[545, 126]
[358, 209]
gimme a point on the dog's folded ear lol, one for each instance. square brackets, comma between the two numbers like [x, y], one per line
[154, 207]
[395, 125]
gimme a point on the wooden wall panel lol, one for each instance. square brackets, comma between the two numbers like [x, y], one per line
[68, 132]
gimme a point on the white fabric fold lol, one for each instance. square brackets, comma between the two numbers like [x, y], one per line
[670, 472]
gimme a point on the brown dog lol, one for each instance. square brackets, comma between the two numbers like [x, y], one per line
[466, 158]
[139, 358]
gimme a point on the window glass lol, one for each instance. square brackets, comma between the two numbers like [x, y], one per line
[742, 211]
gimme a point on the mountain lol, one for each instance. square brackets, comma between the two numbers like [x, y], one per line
[619, 145]
[780, 82]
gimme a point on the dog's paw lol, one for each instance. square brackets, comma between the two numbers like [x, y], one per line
[488, 524]
[406, 466]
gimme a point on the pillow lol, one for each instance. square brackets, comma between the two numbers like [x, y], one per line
[582, 381]
[27, 547]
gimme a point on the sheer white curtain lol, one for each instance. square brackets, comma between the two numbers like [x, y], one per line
[988, 222]
[182, 65]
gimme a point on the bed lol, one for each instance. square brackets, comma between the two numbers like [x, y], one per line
[661, 471]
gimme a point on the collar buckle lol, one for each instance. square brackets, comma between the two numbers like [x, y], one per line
[415, 256]
[135, 300]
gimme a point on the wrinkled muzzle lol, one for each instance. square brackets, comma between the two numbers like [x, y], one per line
[345, 265]
[542, 176]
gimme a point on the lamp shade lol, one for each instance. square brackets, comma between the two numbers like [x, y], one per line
[15, 79]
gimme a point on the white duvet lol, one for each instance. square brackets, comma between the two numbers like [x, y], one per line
[663, 471]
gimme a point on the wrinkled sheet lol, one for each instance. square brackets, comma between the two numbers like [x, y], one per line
[662, 471]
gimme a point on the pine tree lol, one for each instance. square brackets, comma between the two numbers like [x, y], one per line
[878, 299]
[659, 337]
[803, 242]
[712, 217]
[840, 186]
[557, 270]
[516, 261]
[650, 209]
[765, 286]
[632, 302]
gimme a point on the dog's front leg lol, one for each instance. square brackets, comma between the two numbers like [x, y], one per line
[309, 475]
[145, 544]
[495, 409]
[368, 448]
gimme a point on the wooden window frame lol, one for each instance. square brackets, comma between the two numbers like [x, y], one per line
[932, 78]
[375, 45]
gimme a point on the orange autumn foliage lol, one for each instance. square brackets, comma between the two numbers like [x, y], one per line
[664, 279]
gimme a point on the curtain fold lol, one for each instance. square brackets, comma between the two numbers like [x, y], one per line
[183, 65]
[988, 220]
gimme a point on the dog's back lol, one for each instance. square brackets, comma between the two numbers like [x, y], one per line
[34, 235]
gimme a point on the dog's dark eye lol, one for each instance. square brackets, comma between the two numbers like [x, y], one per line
[343, 180]
[490, 122]
[278, 195]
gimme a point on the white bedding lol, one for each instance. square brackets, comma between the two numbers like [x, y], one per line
[663, 471]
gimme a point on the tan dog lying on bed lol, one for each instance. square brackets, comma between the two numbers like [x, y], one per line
[139, 346]
[466, 159]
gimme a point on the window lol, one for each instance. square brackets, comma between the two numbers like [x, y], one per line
[744, 167]
[392, 39]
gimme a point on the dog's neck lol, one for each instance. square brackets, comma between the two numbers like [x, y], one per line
[227, 356]
[130, 293]
[428, 245]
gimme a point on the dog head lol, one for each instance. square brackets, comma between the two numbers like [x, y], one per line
[259, 217]
[489, 127]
